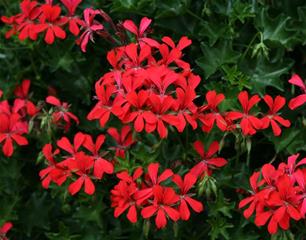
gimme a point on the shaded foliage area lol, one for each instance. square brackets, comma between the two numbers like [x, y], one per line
[253, 45]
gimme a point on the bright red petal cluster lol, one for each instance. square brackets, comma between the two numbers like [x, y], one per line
[150, 195]
[277, 195]
[14, 118]
[82, 161]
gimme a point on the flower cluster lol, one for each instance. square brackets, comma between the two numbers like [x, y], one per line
[151, 86]
[14, 118]
[83, 160]
[48, 19]
[277, 195]
[147, 193]
[153, 194]
[36, 18]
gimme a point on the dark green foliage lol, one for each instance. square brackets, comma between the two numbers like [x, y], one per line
[254, 45]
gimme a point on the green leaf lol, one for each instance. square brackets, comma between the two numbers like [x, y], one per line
[276, 29]
[263, 73]
[216, 56]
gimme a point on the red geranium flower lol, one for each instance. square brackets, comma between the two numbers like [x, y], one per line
[22, 92]
[82, 166]
[272, 116]
[185, 197]
[61, 112]
[301, 99]
[207, 161]
[162, 206]
[123, 140]
[12, 129]
[249, 123]
[101, 165]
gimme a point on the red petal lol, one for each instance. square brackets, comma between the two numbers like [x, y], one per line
[89, 186]
[160, 220]
[184, 210]
[76, 186]
[199, 147]
[297, 101]
[194, 204]
[53, 100]
[148, 212]
[8, 148]
[132, 214]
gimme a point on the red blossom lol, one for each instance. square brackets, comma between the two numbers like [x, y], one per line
[213, 116]
[22, 92]
[185, 197]
[249, 123]
[11, 130]
[124, 139]
[91, 26]
[61, 112]
[164, 198]
[101, 165]
[301, 99]
[207, 161]
[81, 165]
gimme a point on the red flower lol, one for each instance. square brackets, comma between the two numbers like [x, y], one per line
[164, 198]
[207, 161]
[284, 200]
[12, 129]
[101, 165]
[249, 123]
[91, 26]
[25, 21]
[61, 112]
[186, 108]
[291, 166]
[140, 32]
[10, 21]
[160, 108]
[55, 172]
[152, 180]
[82, 166]
[123, 140]
[123, 195]
[300, 176]
[301, 99]
[185, 186]
[103, 108]
[22, 92]
[78, 141]
[256, 198]
[50, 22]
[272, 116]
[139, 116]
[4, 230]
[74, 21]
[208, 119]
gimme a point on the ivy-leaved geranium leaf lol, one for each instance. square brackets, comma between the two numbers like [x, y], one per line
[263, 73]
[291, 140]
[213, 30]
[219, 228]
[216, 56]
[276, 29]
